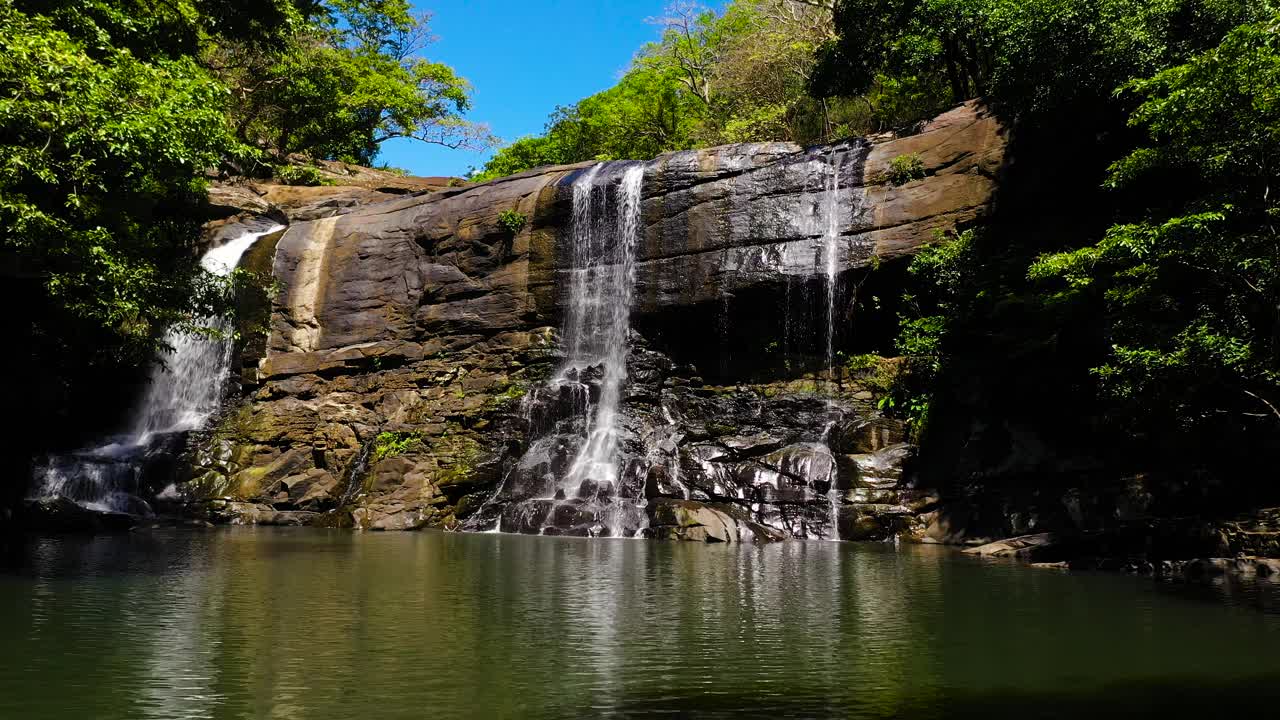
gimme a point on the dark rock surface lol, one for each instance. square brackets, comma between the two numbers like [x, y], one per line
[701, 522]
[1189, 547]
[58, 514]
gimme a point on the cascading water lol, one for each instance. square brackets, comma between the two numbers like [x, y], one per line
[571, 479]
[180, 396]
[831, 256]
[600, 321]
[831, 265]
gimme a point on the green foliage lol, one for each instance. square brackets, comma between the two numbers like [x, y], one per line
[169, 29]
[858, 363]
[392, 444]
[939, 278]
[345, 81]
[906, 168]
[513, 221]
[301, 175]
[1191, 291]
[1029, 57]
[96, 193]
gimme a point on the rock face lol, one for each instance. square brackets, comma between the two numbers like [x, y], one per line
[413, 332]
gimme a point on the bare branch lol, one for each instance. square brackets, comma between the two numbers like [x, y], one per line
[453, 134]
[1264, 401]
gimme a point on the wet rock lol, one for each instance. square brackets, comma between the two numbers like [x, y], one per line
[882, 469]
[407, 307]
[1208, 568]
[868, 436]
[872, 522]
[1027, 547]
[757, 444]
[698, 522]
[60, 514]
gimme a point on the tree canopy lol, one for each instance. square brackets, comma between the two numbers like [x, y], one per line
[712, 77]
[114, 113]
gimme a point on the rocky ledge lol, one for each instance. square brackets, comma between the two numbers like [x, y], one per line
[415, 322]
[1245, 547]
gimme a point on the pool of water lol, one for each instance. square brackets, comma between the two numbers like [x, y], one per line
[259, 623]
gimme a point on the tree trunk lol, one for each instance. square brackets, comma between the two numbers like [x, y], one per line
[954, 74]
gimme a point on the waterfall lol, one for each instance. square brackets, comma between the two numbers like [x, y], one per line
[183, 393]
[180, 395]
[571, 480]
[831, 266]
[831, 256]
[599, 318]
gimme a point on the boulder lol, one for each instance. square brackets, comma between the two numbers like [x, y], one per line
[1025, 547]
[700, 522]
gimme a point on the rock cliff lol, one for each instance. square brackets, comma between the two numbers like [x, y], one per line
[415, 321]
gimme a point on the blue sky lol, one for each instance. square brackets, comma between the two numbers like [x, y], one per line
[524, 59]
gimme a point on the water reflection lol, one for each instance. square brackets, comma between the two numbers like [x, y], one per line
[280, 624]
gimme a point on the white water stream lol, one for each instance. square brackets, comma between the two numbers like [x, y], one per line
[585, 493]
[831, 222]
[181, 395]
[599, 319]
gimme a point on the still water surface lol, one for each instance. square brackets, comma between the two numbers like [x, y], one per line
[259, 623]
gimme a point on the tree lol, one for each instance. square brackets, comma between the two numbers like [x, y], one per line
[645, 114]
[735, 76]
[1031, 58]
[765, 70]
[351, 81]
[1193, 292]
[95, 192]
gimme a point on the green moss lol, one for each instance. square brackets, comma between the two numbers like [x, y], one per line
[390, 444]
[721, 429]
[511, 394]
[457, 455]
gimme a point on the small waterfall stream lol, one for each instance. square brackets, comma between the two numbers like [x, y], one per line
[831, 221]
[181, 395]
[571, 479]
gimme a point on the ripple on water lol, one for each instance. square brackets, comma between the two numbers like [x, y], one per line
[311, 624]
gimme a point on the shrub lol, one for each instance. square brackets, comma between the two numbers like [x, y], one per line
[512, 220]
[906, 168]
[297, 175]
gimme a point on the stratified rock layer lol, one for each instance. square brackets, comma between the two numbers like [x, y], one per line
[411, 324]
